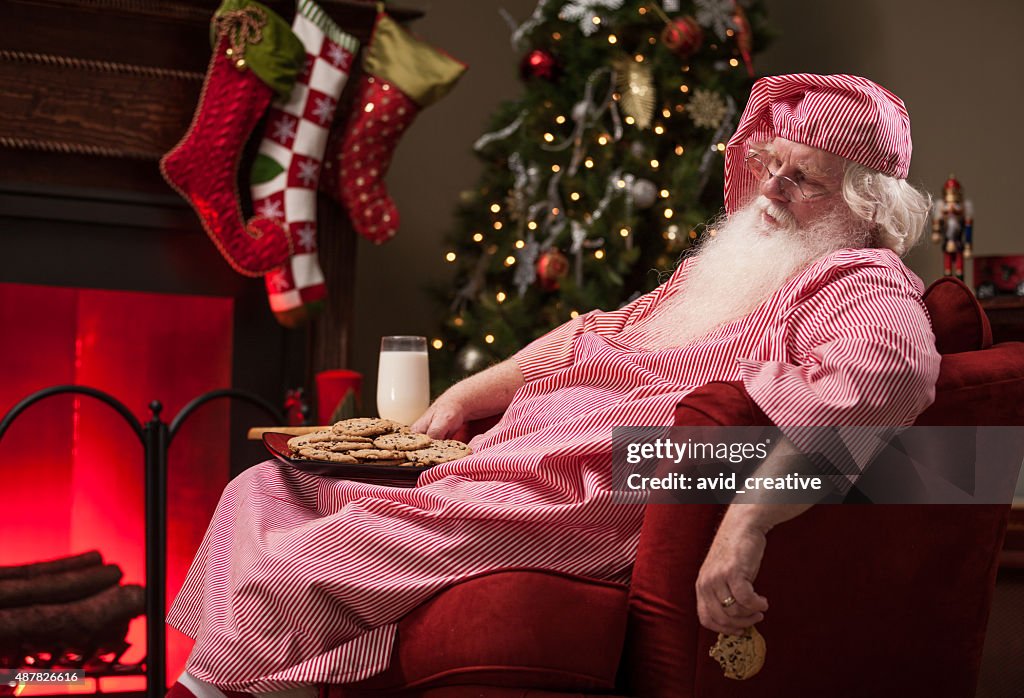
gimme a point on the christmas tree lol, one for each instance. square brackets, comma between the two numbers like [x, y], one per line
[601, 174]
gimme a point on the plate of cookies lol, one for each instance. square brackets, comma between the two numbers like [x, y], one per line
[379, 451]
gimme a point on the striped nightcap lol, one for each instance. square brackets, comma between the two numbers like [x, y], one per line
[846, 115]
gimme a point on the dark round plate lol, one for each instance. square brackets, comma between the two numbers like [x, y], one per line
[392, 475]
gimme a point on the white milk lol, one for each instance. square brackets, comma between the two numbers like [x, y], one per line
[403, 385]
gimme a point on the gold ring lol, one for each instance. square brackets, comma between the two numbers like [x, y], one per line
[728, 602]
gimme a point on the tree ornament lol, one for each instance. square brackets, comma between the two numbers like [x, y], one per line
[586, 13]
[717, 14]
[683, 36]
[552, 266]
[707, 108]
[645, 193]
[636, 87]
[744, 37]
[540, 64]
[470, 359]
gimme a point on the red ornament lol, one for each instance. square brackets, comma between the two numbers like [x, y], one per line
[539, 64]
[683, 36]
[552, 265]
[744, 37]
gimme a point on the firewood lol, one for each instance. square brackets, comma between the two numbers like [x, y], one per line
[63, 564]
[81, 626]
[58, 588]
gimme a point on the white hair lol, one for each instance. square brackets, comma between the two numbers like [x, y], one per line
[896, 209]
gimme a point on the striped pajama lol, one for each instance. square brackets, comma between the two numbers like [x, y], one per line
[301, 579]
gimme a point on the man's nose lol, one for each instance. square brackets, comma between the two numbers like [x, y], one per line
[771, 189]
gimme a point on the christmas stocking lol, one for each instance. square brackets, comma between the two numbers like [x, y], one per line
[255, 56]
[287, 169]
[401, 75]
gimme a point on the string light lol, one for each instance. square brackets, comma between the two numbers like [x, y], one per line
[638, 58]
[624, 232]
[497, 225]
[575, 196]
[670, 235]
[555, 168]
[588, 163]
[489, 338]
[680, 108]
[495, 208]
[458, 322]
[478, 237]
[595, 19]
[733, 62]
[693, 234]
[720, 147]
[556, 36]
[532, 225]
[630, 120]
[501, 297]
[450, 256]
[612, 39]
[621, 183]
[642, 10]
[549, 137]
[684, 88]
[668, 213]
[520, 244]
[559, 119]
[510, 260]
[680, 150]
[599, 254]
[666, 113]
[555, 211]
[574, 314]
[663, 193]
[730, 32]
[651, 40]
[602, 139]
[659, 129]
[437, 344]
[654, 164]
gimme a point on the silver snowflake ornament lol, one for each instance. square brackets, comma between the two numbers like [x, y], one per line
[716, 14]
[586, 11]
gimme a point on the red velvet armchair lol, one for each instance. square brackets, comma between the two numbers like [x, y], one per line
[879, 600]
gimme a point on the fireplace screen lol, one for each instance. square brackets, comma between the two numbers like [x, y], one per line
[72, 469]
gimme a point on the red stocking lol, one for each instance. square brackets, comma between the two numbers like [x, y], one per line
[203, 167]
[401, 76]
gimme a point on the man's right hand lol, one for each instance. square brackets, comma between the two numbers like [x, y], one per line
[442, 419]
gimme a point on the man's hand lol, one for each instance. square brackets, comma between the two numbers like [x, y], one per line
[443, 418]
[728, 575]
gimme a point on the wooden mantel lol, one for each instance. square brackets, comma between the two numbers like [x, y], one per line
[94, 92]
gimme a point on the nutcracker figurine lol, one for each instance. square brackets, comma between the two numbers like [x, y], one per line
[952, 223]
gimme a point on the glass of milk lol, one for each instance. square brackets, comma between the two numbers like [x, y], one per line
[403, 378]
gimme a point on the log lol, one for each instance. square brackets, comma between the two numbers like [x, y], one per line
[63, 564]
[60, 587]
[82, 626]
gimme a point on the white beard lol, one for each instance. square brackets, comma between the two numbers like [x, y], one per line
[746, 261]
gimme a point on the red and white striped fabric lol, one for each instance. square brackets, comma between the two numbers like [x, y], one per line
[301, 579]
[846, 115]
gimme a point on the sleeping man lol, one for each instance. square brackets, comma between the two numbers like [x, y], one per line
[800, 293]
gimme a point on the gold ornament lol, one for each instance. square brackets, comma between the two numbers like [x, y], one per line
[707, 108]
[635, 82]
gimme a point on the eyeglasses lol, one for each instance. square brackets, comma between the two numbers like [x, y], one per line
[790, 188]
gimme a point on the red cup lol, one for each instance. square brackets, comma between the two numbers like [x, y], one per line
[337, 388]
